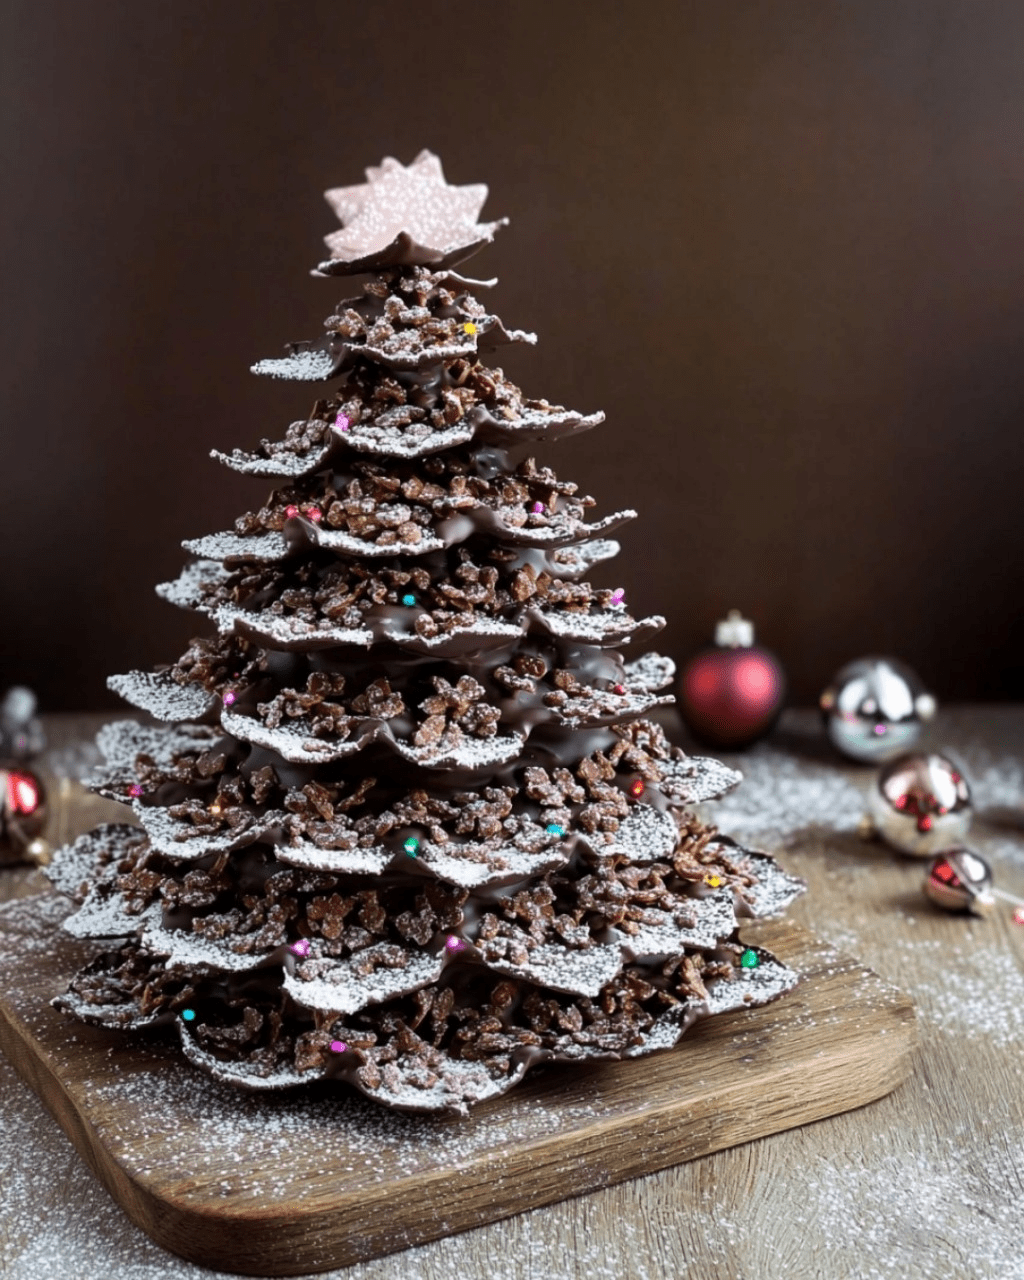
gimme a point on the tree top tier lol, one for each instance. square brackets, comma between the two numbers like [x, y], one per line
[406, 320]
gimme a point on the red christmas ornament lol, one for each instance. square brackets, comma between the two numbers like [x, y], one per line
[22, 811]
[732, 694]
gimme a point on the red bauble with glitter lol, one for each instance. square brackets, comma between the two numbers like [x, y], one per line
[732, 694]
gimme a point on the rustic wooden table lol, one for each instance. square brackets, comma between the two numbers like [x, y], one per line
[928, 1182]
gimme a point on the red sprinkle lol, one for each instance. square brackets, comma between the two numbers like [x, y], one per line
[619, 688]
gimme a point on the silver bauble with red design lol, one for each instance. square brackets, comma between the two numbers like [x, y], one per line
[921, 804]
[961, 880]
[874, 708]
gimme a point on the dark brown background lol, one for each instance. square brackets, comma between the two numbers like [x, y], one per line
[781, 244]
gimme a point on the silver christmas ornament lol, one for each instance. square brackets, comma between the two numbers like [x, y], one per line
[21, 731]
[921, 804]
[961, 880]
[874, 709]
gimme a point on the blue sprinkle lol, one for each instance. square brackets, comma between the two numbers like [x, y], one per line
[555, 830]
[188, 1014]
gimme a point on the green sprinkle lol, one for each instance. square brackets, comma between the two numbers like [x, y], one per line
[411, 845]
[749, 959]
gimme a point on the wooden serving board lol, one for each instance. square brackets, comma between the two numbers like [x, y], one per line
[286, 1184]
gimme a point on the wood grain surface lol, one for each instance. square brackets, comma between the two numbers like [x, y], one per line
[926, 1182]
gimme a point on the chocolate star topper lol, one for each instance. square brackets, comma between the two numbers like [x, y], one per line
[405, 216]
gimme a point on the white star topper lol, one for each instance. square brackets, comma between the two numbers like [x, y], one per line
[406, 215]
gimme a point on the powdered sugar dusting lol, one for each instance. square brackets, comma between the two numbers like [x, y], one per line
[284, 464]
[264, 549]
[652, 671]
[781, 795]
[158, 694]
[602, 626]
[340, 540]
[582, 972]
[300, 366]
[573, 562]
[186, 591]
[415, 440]
[371, 976]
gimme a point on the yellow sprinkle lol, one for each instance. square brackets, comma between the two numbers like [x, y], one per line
[713, 881]
[215, 808]
[469, 328]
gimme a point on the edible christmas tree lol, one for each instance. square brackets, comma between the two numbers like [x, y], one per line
[401, 821]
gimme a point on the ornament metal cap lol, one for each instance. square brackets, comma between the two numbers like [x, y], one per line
[734, 631]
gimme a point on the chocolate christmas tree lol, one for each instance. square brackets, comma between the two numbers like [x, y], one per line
[403, 823]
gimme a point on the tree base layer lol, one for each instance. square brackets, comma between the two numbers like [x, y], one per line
[320, 1178]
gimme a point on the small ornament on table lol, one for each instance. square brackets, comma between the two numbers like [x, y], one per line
[22, 816]
[961, 880]
[920, 804]
[21, 731]
[731, 695]
[22, 795]
[874, 708]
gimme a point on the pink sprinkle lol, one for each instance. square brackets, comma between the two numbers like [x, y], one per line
[454, 944]
[1018, 916]
[315, 514]
[338, 1046]
[135, 789]
[291, 511]
[538, 507]
[230, 697]
[341, 422]
[300, 948]
[618, 596]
